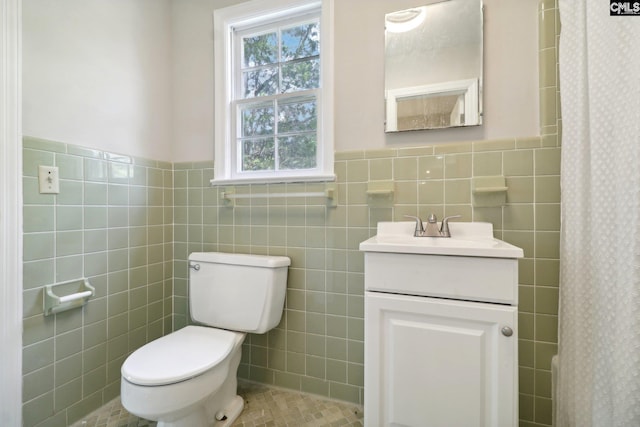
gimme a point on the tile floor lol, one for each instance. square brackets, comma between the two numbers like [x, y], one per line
[264, 406]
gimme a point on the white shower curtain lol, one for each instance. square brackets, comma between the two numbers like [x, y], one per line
[599, 324]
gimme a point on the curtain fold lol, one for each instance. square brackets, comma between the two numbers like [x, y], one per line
[599, 313]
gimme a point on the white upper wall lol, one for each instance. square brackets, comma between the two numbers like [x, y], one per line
[511, 107]
[96, 73]
[510, 76]
[192, 53]
[136, 77]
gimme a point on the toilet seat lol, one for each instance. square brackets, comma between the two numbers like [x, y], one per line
[178, 356]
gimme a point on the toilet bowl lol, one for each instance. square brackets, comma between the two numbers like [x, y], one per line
[181, 378]
[188, 377]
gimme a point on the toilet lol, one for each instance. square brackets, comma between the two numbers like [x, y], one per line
[188, 377]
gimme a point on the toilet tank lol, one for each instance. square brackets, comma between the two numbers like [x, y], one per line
[238, 292]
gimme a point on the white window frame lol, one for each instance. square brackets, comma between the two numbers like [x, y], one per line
[255, 13]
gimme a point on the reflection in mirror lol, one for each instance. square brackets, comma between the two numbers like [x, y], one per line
[433, 66]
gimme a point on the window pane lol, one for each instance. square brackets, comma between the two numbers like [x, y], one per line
[260, 50]
[297, 152]
[257, 120]
[297, 116]
[258, 154]
[260, 82]
[301, 41]
[300, 75]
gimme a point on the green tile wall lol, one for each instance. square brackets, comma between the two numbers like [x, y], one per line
[123, 228]
[318, 346]
[112, 223]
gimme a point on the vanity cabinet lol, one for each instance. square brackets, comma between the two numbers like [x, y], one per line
[441, 328]
[437, 362]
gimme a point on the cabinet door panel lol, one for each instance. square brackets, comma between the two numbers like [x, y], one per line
[433, 362]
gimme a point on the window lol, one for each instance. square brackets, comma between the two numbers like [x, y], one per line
[273, 85]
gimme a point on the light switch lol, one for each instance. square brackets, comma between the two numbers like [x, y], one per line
[48, 180]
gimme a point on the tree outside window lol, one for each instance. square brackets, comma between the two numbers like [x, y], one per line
[277, 97]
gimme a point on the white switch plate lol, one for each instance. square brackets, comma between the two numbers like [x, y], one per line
[48, 180]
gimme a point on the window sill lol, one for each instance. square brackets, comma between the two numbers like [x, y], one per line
[272, 180]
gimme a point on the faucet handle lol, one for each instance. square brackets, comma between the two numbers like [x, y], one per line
[419, 227]
[444, 227]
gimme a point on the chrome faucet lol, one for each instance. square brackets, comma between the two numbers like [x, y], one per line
[432, 230]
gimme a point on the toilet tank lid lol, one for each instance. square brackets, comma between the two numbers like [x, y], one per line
[241, 259]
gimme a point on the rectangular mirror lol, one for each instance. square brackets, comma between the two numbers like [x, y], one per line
[433, 66]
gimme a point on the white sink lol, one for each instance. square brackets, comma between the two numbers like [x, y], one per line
[470, 265]
[473, 239]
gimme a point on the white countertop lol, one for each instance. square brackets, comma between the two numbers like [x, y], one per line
[474, 239]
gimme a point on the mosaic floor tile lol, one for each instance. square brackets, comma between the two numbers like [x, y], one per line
[264, 406]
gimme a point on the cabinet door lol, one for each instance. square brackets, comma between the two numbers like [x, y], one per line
[439, 363]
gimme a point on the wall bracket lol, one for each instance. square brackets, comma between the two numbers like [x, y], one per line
[75, 293]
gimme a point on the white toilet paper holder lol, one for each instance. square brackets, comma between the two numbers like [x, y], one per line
[75, 293]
